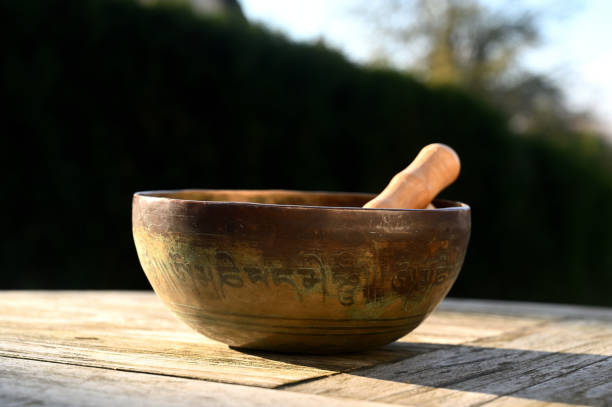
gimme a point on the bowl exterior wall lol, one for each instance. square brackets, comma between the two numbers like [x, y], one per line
[298, 279]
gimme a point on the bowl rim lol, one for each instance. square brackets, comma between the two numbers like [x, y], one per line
[154, 196]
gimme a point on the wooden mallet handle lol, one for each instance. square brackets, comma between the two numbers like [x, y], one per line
[435, 168]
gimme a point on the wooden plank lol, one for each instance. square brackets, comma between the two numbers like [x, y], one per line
[509, 401]
[525, 309]
[478, 355]
[533, 364]
[590, 385]
[133, 331]
[34, 383]
[451, 327]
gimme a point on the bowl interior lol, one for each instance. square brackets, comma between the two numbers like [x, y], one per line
[280, 197]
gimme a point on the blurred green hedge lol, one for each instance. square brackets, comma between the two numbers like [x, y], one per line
[105, 97]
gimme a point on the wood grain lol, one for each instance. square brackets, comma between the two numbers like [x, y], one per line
[466, 353]
[133, 331]
[34, 383]
[566, 360]
[525, 309]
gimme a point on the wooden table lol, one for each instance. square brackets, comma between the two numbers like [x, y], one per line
[93, 348]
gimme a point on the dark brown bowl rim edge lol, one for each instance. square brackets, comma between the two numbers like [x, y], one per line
[152, 194]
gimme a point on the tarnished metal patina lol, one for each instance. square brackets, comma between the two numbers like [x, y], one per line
[297, 271]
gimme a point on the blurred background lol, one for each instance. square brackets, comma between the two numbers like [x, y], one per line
[102, 98]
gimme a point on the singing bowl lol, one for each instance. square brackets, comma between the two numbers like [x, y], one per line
[291, 271]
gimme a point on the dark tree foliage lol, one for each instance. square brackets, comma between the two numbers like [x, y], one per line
[101, 98]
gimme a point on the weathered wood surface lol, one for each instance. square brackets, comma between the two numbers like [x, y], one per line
[466, 353]
[133, 331]
[564, 360]
[34, 383]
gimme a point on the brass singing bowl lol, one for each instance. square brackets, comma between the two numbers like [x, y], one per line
[290, 271]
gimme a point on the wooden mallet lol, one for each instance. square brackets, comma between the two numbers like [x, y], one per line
[435, 167]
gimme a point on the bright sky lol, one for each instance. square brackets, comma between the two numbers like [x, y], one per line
[577, 48]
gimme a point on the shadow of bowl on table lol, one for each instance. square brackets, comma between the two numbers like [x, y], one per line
[536, 375]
